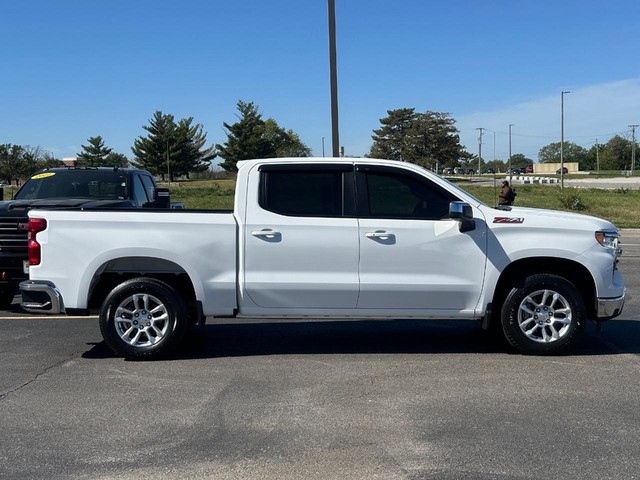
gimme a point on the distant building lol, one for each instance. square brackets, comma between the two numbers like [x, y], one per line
[70, 161]
[544, 168]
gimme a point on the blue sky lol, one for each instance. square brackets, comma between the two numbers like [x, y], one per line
[73, 69]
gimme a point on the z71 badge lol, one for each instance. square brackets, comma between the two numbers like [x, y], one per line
[508, 220]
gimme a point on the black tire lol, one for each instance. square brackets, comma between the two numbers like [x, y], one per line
[543, 315]
[7, 293]
[143, 318]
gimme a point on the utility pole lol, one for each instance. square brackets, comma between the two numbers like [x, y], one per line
[334, 78]
[480, 148]
[633, 146]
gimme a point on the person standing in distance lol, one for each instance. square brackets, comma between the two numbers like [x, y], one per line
[506, 195]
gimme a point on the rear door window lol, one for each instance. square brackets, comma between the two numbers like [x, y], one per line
[305, 191]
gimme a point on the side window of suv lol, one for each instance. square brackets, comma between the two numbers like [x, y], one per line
[389, 193]
[305, 191]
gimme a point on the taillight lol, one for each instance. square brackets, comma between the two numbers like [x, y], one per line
[35, 225]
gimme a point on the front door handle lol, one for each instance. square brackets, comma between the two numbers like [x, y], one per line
[381, 234]
[266, 233]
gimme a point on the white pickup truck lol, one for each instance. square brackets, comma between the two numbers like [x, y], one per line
[343, 238]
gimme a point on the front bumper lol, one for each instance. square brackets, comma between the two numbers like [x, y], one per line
[609, 307]
[40, 297]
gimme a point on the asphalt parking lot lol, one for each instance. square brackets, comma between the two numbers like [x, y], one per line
[321, 400]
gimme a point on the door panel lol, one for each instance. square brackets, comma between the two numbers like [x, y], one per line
[411, 255]
[299, 249]
[313, 263]
[423, 264]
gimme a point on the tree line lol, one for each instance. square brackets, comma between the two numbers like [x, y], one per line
[175, 148]
[18, 162]
[171, 148]
[431, 139]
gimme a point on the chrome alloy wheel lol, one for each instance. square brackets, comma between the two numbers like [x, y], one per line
[141, 320]
[544, 316]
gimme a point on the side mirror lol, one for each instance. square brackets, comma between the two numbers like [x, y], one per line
[161, 198]
[462, 212]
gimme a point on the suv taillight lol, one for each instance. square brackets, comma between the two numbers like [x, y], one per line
[35, 225]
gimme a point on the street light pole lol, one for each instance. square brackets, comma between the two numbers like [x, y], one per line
[334, 78]
[633, 147]
[562, 139]
[480, 148]
[510, 125]
[494, 149]
[168, 168]
[597, 158]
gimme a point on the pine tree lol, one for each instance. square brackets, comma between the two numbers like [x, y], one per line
[193, 156]
[94, 154]
[116, 160]
[390, 141]
[422, 138]
[245, 138]
[172, 149]
[152, 152]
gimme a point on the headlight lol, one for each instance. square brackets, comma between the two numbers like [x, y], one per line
[609, 240]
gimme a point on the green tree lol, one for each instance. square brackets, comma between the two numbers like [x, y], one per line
[571, 153]
[591, 160]
[95, 153]
[285, 143]
[172, 149]
[245, 139]
[193, 157]
[390, 141]
[519, 160]
[19, 162]
[616, 154]
[253, 137]
[497, 165]
[422, 138]
[115, 159]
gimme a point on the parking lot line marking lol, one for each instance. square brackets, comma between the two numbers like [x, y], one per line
[48, 317]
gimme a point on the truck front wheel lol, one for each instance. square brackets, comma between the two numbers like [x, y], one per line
[142, 318]
[544, 315]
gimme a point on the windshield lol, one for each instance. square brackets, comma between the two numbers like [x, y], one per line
[90, 184]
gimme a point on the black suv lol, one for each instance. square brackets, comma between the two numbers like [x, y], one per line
[100, 187]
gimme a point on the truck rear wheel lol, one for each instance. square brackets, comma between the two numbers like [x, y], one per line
[544, 315]
[143, 318]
